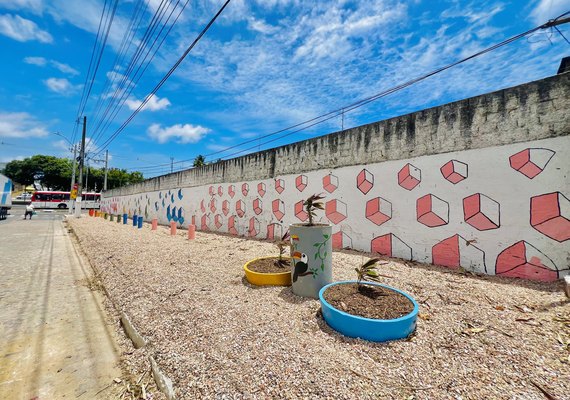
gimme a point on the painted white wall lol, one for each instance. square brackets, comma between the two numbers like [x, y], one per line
[488, 172]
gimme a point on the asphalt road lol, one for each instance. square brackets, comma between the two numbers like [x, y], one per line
[55, 338]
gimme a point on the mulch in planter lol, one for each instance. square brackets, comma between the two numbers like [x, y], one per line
[373, 302]
[269, 266]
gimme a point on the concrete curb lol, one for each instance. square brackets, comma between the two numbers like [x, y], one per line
[162, 381]
[137, 339]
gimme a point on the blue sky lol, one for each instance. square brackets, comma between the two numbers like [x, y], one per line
[263, 66]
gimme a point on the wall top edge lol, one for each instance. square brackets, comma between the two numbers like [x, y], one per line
[530, 111]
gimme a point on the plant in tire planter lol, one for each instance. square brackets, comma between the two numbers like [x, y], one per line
[272, 270]
[367, 309]
[311, 252]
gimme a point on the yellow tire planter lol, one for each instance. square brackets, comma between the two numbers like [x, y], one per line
[266, 279]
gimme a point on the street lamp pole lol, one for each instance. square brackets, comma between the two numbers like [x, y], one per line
[72, 202]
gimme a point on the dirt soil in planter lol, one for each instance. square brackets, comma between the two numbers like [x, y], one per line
[218, 337]
[372, 302]
[268, 266]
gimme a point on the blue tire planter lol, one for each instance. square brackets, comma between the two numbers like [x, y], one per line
[376, 330]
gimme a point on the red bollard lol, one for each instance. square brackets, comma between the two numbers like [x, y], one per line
[154, 224]
[191, 232]
[91, 212]
[173, 228]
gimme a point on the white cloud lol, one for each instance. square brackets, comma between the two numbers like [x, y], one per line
[548, 9]
[66, 69]
[153, 104]
[183, 134]
[260, 26]
[22, 29]
[39, 61]
[34, 6]
[20, 125]
[61, 86]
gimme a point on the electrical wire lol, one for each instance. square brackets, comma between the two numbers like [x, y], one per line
[130, 82]
[339, 111]
[164, 79]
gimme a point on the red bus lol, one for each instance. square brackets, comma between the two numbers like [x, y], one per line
[54, 199]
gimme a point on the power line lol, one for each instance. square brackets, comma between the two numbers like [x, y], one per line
[335, 113]
[109, 24]
[126, 44]
[129, 83]
[164, 79]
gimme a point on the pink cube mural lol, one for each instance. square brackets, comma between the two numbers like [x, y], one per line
[390, 245]
[274, 231]
[232, 225]
[245, 189]
[335, 210]
[378, 210]
[240, 208]
[432, 211]
[531, 162]
[409, 177]
[205, 222]
[301, 182]
[279, 185]
[454, 171]
[232, 191]
[550, 215]
[213, 205]
[257, 206]
[300, 212]
[523, 260]
[218, 221]
[340, 240]
[226, 207]
[278, 208]
[364, 181]
[261, 189]
[330, 183]
[481, 212]
[456, 251]
[254, 227]
[220, 191]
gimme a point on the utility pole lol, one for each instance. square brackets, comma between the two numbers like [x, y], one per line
[81, 161]
[106, 163]
[73, 175]
[171, 164]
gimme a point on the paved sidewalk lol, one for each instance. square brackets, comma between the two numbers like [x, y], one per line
[55, 341]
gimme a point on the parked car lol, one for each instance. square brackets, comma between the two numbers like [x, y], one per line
[24, 196]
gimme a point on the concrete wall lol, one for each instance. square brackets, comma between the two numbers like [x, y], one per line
[481, 183]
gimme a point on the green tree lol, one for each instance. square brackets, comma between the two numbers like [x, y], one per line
[199, 161]
[54, 173]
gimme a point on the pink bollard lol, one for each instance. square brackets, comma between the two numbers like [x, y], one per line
[154, 224]
[173, 228]
[191, 232]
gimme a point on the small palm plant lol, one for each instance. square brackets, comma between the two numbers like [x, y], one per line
[368, 272]
[311, 204]
[282, 244]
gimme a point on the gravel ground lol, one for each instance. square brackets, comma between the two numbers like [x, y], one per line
[217, 336]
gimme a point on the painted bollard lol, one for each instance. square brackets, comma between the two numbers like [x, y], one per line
[111, 218]
[140, 221]
[105, 215]
[119, 219]
[125, 219]
[91, 212]
[154, 224]
[135, 220]
[172, 228]
[191, 232]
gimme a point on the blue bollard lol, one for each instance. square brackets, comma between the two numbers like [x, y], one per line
[140, 221]
[125, 218]
[135, 217]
